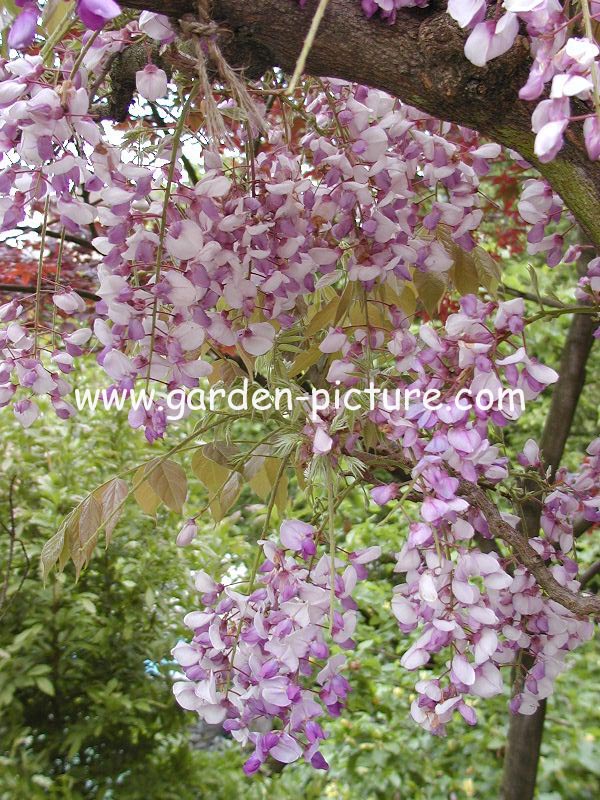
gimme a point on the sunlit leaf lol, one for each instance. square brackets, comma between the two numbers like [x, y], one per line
[145, 496]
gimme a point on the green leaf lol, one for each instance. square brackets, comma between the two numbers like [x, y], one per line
[88, 605]
[45, 685]
[54, 12]
[536, 287]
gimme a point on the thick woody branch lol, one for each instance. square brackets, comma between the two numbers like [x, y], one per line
[476, 495]
[579, 604]
[419, 59]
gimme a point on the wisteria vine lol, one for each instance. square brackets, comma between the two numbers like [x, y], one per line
[373, 212]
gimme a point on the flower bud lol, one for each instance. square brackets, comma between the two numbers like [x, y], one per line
[187, 534]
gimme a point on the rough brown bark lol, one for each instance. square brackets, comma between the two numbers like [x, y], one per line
[523, 754]
[568, 389]
[578, 603]
[419, 59]
[525, 732]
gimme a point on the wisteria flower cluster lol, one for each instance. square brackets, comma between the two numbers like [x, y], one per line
[255, 659]
[569, 63]
[472, 606]
[217, 247]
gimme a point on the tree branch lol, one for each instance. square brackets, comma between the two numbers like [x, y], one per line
[68, 237]
[546, 301]
[565, 396]
[590, 573]
[580, 604]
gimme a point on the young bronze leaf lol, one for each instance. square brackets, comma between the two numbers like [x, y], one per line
[226, 370]
[90, 519]
[399, 293]
[71, 537]
[431, 287]
[145, 496]
[304, 360]
[464, 274]
[258, 471]
[55, 548]
[167, 480]
[323, 318]
[51, 551]
[282, 496]
[345, 300]
[272, 466]
[260, 483]
[81, 536]
[226, 497]
[221, 452]
[253, 466]
[211, 474]
[111, 496]
[246, 361]
[487, 269]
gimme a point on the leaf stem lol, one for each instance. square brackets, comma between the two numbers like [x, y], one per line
[38, 284]
[163, 219]
[331, 527]
[308, 43]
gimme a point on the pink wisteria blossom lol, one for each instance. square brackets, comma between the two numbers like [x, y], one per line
[255, 657]
[151, 82]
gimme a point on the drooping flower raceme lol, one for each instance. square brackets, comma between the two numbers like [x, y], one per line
[274, 655]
